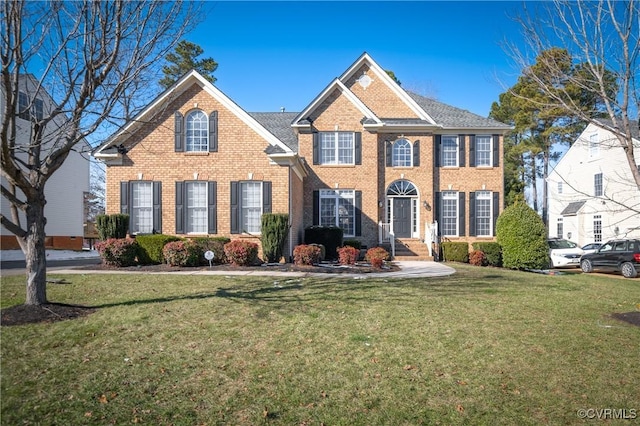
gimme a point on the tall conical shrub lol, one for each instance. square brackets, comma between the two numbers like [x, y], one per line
[112, 226]
[275, 229]
[523, 237]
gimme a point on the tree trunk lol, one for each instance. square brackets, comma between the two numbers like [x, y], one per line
[534, 182]
[36, 256]
[545, 187]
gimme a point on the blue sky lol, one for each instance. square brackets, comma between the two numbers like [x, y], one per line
[283, 54]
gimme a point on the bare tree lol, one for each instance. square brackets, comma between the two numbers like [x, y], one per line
[98, 61]
[604, 38]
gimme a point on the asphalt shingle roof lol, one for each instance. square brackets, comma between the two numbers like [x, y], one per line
[635, 129]
[572, 208]
[451, 117]
[279, 124]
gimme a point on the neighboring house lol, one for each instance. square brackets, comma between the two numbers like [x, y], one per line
[364, 155]
[64, 191]
[592, 194]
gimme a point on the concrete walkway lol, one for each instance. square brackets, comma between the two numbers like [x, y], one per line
[408, 269]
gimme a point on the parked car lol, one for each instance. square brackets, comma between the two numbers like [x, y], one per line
[563, 253]
[615, 255]
[591, 248]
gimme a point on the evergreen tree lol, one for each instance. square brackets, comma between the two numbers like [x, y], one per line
[183, 59]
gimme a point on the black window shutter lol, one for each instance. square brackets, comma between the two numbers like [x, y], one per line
[316, 148]
[358, 147]
[416, 154]
[316, 207]
[461, 150]
[496, 210]
[213, 131]
[472, 214]
[235, 208]
[437, 141]
[461, 229]
[472, 150]
[437, 210]
[180, 208]
[179, 132]
[389, 153]
[212, 208]
[157, 207]
[266, 197]
[124, 198]
[358, 212]
[496, 150]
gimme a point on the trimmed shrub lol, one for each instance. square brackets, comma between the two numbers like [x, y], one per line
[455, 251]
[118, 252]
[306, 254]
[241, 253]
[182, 253]
[477, 258]
[523, 237]
[348, 255]
[216, 245]
[112, 226]
[492, 252]
[329, 236]
[376, 256]
[353, 243]
[151, 247]
[275, 229]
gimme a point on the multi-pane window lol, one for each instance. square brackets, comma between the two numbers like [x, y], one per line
[36, 111]
[449, 151]
[197, 214]
[141, 207]
[483, 151]
[594, 148]
[560, 227]
[597, 185]
[401, 156]
[197, 131]
[483, 214]
[450, 213]
[251, 201]
[337, 208]
[336, 147]
[23, 106]
[597, 228]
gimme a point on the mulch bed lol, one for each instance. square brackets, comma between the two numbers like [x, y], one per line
[51, 312]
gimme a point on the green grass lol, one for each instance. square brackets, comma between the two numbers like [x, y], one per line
[484, 346]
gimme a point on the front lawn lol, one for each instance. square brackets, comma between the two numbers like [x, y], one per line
[483, 346]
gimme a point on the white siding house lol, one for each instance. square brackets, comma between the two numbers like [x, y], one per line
[592, 194]
[64, 190]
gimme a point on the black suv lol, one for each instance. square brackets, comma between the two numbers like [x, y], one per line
[614, 255]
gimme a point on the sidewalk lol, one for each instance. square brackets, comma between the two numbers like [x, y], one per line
[14, 255]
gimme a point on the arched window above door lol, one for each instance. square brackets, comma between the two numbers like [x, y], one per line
[402, 188]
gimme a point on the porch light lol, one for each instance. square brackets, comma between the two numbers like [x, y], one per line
[426, 206]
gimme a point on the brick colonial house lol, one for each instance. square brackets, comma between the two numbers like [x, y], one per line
[364, 155]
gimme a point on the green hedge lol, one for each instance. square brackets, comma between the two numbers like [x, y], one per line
[275, 229]
[214, 244]
[353, 243]
[455, 251]
[329, 236]
[151, 246]
[492, 252]
[112, 226]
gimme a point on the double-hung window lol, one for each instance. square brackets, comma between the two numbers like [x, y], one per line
[336, 147]
[450, 213]
[141, 208]
[484, 151]
[197, 212]
[449, 151]
[483, 214]
[560, 228]
[251, 202]
[197, 132]
[337, 208]
[597, 185]
[597, 228]
[594, 146]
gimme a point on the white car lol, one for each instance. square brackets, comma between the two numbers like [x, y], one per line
[563, 253]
